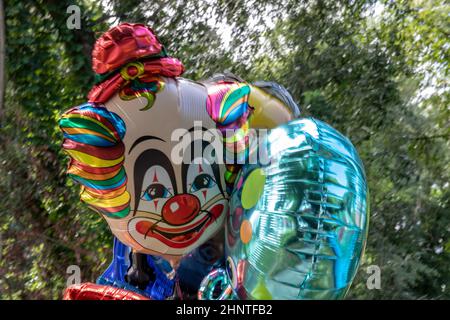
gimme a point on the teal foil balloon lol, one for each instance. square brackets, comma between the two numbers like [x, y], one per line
[298, 225]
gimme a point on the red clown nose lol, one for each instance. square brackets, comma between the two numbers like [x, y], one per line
[181, 209]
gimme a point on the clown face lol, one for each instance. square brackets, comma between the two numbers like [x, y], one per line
[175, 216]
[174, 205]
[148, 163]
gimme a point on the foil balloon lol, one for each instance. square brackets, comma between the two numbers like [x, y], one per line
[192, 269]
[298, 224]
[144, 148]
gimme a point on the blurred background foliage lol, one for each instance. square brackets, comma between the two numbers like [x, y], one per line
[378, 71]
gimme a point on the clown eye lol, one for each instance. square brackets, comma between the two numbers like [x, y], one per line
[202, 181]
[155, 191]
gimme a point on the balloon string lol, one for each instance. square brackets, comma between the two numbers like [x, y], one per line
[178, 292]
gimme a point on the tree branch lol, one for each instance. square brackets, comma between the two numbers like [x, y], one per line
[437, 136]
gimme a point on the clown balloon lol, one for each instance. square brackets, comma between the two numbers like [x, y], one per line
[159, 156]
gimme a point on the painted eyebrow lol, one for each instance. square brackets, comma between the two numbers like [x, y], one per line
[142, 139]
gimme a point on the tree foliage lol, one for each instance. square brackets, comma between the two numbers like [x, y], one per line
[375, 70]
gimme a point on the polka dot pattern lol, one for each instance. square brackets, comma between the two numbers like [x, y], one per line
[253, 188]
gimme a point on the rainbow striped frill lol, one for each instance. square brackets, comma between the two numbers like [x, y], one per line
[227, 105]
[93, 139]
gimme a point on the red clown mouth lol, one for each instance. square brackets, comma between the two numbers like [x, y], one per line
[183, 236]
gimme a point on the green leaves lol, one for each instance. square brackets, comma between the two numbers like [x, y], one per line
[376, 70]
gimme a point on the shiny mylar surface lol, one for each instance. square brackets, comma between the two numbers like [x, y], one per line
[298, 226]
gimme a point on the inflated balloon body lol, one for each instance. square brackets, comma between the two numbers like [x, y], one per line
[298, 224]
[142, 151]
